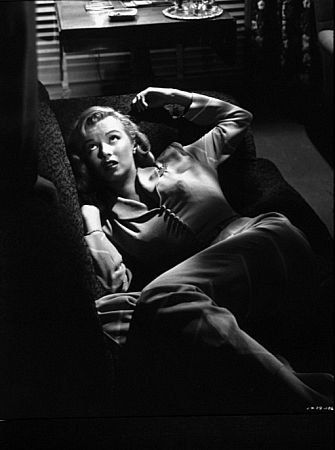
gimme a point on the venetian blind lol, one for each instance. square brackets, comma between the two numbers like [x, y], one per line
[94, 73]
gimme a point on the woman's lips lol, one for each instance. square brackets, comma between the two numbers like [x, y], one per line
[110, 164]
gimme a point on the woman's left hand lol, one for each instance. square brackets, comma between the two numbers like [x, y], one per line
[152, 97]
[120, 282]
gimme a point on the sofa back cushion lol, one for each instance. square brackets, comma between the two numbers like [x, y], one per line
[54, 165]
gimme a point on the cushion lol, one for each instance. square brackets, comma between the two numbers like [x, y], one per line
[54, 356]
[54, 165]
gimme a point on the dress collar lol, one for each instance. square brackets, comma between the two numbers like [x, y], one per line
[147, 178]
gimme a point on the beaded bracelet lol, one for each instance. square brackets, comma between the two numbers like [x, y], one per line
[93, 231]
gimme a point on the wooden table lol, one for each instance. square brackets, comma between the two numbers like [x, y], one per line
[80, 30]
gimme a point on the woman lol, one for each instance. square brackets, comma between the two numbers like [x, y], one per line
[207, 271]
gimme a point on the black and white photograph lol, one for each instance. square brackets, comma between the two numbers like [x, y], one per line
[166, 231]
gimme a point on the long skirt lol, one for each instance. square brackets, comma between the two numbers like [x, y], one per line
[211, 335]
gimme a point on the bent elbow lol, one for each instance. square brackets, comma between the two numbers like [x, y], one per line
[247, 117]
[242, 117]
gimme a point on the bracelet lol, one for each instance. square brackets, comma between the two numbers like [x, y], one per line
[93, 231]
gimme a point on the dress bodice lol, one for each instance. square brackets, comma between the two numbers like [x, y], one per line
[182, 208]
[191, 210]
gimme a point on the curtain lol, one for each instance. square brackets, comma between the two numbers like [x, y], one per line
[18, 97]
[283, 41]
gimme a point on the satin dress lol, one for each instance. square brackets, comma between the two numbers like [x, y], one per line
[214, 279]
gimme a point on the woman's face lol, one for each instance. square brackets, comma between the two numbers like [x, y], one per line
[109, 152]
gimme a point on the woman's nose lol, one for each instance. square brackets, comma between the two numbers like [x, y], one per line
[106, 149]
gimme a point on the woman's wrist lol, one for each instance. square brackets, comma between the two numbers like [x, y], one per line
[178, 103]
[182, 98]
[88, 233]
[91, 219]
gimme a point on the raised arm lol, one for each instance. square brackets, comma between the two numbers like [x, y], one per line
[227, 122]
[109, 267]
[154, 97]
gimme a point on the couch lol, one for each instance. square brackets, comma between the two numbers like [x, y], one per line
[59, 362]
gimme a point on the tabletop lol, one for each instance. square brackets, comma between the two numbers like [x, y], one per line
[80, 30]
[74, 18]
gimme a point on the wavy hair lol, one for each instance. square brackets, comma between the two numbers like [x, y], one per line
[143, 157]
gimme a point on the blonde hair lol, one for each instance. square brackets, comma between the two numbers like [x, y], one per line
[87, 119]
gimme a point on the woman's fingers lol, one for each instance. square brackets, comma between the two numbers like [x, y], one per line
[151, 97]
[119, 271]
[143, 104]
[119, 278]
[140, 102]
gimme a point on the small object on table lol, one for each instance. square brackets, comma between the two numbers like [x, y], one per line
[96, 6]
[122, 14]
[193, 9]
[209, 4]
[136, 3]
[144, 3]
[181, 5]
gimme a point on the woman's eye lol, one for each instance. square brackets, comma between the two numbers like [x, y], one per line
[113, 137]
[92, 147]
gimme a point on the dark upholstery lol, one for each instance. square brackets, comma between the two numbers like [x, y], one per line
[54, 356]
[54, 165]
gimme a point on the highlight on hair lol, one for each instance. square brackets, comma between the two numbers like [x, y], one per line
[75, 146]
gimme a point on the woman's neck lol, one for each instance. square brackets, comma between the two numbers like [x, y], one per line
[129, 192]
[127, 189]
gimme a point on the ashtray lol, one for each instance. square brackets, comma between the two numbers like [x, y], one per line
[174, 12]
[122, 14]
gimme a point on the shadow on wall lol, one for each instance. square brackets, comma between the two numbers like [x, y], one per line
[320, 130]
[288, 75]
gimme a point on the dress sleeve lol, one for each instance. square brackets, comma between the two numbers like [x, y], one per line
[107, 260]
[227, 122]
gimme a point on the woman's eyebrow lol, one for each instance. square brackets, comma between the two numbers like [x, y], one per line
[112, 131]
